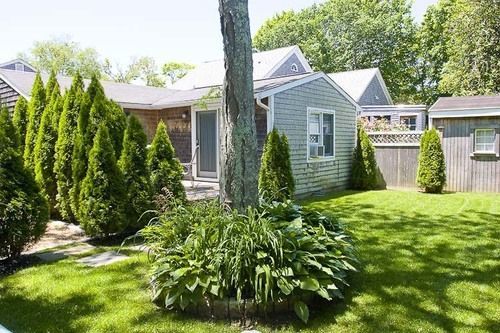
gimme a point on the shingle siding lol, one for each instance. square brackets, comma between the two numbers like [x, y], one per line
[286, 67]
[8, 96]
[290, 117]
[374, 94]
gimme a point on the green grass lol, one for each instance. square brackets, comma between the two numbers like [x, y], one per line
[429, 263]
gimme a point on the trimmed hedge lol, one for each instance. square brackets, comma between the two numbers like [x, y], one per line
[364, 167]
[431, 173]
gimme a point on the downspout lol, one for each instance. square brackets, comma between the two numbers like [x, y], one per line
[258, 101]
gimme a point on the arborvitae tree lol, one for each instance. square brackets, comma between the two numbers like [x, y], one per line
[117, 122]
[89, 121]
[95, 87]
[431, 173]
[275, 176]
[21, 121]
[45, 150]
[50, 86]
[102, 196]
[133, 165]
[364, 168]
[23, 210]
[65, 145]
[36, 106]
[165, 169]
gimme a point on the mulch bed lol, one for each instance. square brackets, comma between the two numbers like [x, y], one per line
[10, 266]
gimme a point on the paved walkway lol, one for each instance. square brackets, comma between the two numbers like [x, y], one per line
[58, 233]
[200, 190]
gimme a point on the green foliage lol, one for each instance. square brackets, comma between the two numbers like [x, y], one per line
[275, 176]
[133, 166]
[50, 86]
[65, 145]
[117, 123]
[176, 70]
[63, 57]
[23, 209]
[364, 167]
[95, 87]
[102, 196]
[431, 173]
[474, 48]
[206, 251]
[340, 35]
[36, 106]
[45, 149]
[20, 120]
[165, 169]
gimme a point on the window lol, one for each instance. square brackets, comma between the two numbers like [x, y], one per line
[410, 121]
[294, 68]
[321, 133]
[19, 67]
[484, 140]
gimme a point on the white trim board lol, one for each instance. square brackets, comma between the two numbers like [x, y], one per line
[461, 113]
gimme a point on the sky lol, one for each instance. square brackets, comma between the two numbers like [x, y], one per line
[168, 30]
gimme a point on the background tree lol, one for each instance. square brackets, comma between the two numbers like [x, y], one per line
[431, 173]
[21, 121]
[65, 145]
[275, 176]
[44, 154]
[23, 210]
[364, 168]
[102, 194]
[36, 106]
[238, 145]
[340, 35]
[133, 165]
[164, 168]
[176, 70]
[473, 67]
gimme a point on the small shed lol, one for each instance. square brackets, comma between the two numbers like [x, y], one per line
[470, 132]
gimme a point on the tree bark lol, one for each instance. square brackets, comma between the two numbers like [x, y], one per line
[238, 140]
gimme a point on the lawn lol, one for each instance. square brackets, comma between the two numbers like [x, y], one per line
[429, 263]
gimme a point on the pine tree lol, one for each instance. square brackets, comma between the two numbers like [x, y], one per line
[117, 122]
[275, 176]
[45, 150]
[364, 168]
[50, 86]
[133, 166]
[431, 173]
[36, 106]
[102, 196]
[95, 87]
[65, 145]
[24, 211]
[21, 121]
[165, 169]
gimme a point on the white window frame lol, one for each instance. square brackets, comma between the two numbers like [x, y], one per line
[19, 67]
[313, 110]
[477, 151]
[294, 68]
[403, 117]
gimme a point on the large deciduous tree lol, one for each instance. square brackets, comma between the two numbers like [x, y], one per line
[341, 35]
[238, 143]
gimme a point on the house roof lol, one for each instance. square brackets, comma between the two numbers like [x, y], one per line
[466, 103]
[211, 73]
[15, 61]
[122, 93]
[356, 82]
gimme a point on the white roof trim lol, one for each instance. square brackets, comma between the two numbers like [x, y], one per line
[295, 50]
[461, 113]
[305, 80]
[18, 60]
[13, 86]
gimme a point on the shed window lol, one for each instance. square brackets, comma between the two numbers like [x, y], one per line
[321, 133]
[19, 67]
[410, 121]
[484, 140]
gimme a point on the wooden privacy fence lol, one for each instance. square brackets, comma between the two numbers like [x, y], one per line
[397, 157]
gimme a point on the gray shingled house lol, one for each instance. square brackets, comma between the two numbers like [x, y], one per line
[367, 87]
[316, 114]
[470, 133]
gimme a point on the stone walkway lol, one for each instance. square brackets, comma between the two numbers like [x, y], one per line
[58, 233]
[200, 190]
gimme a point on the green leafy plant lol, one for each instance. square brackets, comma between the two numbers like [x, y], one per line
[275, 176]
[364, 167]
[431, 173]
[204, 252]
[23, 209]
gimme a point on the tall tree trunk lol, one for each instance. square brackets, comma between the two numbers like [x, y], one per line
[238, 140]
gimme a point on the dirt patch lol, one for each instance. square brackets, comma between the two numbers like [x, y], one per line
[58, 233]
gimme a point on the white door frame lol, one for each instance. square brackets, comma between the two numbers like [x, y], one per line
[194, 130]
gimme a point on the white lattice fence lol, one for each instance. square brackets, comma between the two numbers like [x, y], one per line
[406, 138]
